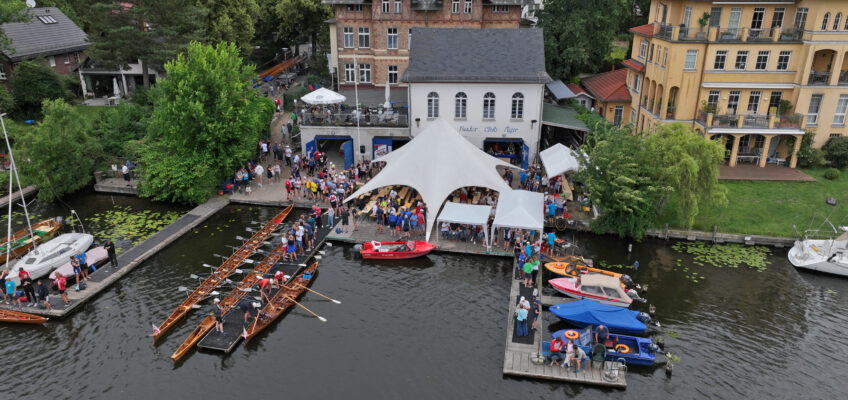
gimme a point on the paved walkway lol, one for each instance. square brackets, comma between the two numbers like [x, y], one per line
[751, 172]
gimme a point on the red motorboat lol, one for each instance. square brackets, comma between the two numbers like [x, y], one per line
[395, 250]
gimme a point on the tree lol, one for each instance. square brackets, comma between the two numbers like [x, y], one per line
[152, 31]
[57, 155]
[686, 164]
[231, 21]
[120, 129]
[206, 122]
[11, 11]
[578, 34]
[301, 20]
[7, 102]
[266, 37]
[836, 151]
[33, 83]
[78, 11]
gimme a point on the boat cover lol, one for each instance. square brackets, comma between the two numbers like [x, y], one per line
[587, 312]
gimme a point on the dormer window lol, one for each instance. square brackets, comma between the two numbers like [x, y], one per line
[47, 19]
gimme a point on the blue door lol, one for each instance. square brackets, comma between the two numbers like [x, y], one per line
[525, 156]
[347, 147]
[310, 148]
[380, 147]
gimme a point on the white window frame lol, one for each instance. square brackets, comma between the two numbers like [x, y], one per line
[801, 18]
[713, 97]
[744, 55]
[350, 73]
[460, 106]
[665, 56]
[432, 105]
[754, 99]
[687, 16]
[775, 21]
[761, 11]
[720, 56]
[468, 8]
[392, 38]
[783, 59]
[67, 58]
[735, 104]
[760, 64]
[813, 112]
[348, 38]
[363, 36]
[500, 8]
[354, 7]
[398, 7]
[455, 7]
[825, 21]
[76, 57]
[2, 72]
[691, 63]
[387, 6]
[841, 109]
[364, 73]
[638, 84]
[643, 49]
[489, 105]
[52, 61]
[632, 115]
[517, 109]
[393, 74]
[837, 20]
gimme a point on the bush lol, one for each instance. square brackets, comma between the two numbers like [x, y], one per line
[836, 151]
[33, 83]
[808, 157]
[832, 174]
[7, 102]
[293, 94]
[72, 85]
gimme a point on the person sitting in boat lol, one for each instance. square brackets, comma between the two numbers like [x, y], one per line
[556, 350]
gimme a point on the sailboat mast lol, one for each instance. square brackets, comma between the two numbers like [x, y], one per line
[9, 221]
[14, 170]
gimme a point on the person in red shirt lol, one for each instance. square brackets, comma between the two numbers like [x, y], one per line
[263, 285]
[279, 278]
[62, 284]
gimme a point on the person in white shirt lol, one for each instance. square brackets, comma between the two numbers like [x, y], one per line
[259, 172]
[126, 172]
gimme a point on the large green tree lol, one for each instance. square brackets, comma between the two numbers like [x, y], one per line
[11, 11]
[152, 31]
[230, 21]
[34, 82]
[578, 34]
[205, 123]
[58, 155]
[302, 20]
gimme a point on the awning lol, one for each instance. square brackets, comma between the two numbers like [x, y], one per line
[323, 96]
[559, 159]
[503, 140]
[469, 214]
[562, 117]
[520, 209]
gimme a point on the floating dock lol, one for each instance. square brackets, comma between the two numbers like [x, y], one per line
[520, 352]
[27, 191]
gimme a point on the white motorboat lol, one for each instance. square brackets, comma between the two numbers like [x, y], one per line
[50, 255]
[822, 255]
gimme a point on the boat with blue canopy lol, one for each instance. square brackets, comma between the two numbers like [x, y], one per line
[587, 312]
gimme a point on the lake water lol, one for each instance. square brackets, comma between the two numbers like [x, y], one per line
[432, 328]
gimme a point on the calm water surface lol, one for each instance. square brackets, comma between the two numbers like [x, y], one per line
[429, 329]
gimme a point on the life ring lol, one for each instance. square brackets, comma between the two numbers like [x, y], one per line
[622, 348]
[571, 334]
[558, 265]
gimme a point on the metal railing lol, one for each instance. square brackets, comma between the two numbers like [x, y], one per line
[818, 78]
[350, 119]
[792, 121]
[843, 77]
[790, 34]
[759, 35]
[729, 34]
[755, 121]
[725, 121]
[664, 31]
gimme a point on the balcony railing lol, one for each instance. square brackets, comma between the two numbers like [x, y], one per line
[719, 34]
[843, 77]
[755, 121]
[790, 34]
[725, 121]
[664, 31]
[350, 119]
[759, 35]
[788, 121]
[818, 78]
[729, 34]
[752, 121]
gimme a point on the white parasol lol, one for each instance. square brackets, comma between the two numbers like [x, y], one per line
[323, 96]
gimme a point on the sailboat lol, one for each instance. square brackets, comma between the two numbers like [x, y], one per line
[822, 250]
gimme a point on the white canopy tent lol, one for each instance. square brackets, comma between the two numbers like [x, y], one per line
[559, 159]
[436, 162]
[520, 209]
[323, 96]
[469, 214]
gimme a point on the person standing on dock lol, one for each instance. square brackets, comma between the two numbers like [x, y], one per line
[44, 294]
[83, 266]
[10, 293]
[3, 285]
[218, 314]
[521, 321]
[246, 307]
[126, 172]
[62, 285]
[345, 214]
[110, 249]
[26, 284]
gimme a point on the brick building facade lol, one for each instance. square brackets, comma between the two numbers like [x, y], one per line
[378, 32]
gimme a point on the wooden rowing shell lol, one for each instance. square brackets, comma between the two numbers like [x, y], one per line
[223, 271]
[282, 301]
[17, 317]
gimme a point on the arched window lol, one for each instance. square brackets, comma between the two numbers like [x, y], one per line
[433, 105]
[460, 105]
[836, 21]
[517, 106]
[489, 106]
[825, 20]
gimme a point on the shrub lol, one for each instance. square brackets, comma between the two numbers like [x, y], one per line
[72, 86]
[33, 83]
[293, 94]
[832, 174]
[836, 151]
[7, 102]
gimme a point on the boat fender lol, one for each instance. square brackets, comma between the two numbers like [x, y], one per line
[644, 317]
[626, 280]
[571, 334]
[622, 348]
[653, 348]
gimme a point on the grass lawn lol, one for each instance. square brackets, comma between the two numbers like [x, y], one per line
[90, 113]
[770, 208]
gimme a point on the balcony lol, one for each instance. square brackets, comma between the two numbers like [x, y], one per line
[760, 35]
[762, 124]
[375, 119]
[664, 31]
[718, 34]
[729, 35]
[818, 78]
[790, 35]
[788, 121]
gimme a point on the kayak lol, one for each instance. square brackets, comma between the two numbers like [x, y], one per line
[96, 257]
[587, 312]
[395, 250]
[572, 268]
[634, 350]
[601, 288]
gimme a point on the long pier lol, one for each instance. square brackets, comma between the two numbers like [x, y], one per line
[521, 354]
[27, 191]
[105, 276]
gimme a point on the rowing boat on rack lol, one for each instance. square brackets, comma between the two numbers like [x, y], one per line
[220, 274]
[18, 317]
[282, 300]
[232, 300]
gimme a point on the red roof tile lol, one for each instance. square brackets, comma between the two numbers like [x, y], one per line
[646, 30]
[633, 64]
[608, 86]
[576, 89]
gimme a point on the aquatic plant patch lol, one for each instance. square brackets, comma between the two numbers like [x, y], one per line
[123, 223]
[725, 255]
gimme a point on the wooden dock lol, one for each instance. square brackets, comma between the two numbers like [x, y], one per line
[117, 186]
[28, 192]
[128, 260]
[519, 354]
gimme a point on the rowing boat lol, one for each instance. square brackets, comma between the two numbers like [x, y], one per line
[17, 317]
[220, 274]
[20, 243]
[230, 301]
[282, 300]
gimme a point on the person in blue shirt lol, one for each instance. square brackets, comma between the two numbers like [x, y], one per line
[528, 249]
[413, 222]
[83, 266]
[523, 178]
[521, 321]
[551, 211]
[551, 241]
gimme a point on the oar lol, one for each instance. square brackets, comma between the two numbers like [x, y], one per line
[319, 294]
[308, 310]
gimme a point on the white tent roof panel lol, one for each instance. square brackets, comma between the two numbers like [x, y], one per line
[471, 214]
[323, 96]
[520, 209]
[559, 159]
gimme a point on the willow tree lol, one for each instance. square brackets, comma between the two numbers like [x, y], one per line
[206, 122]
[688, 165]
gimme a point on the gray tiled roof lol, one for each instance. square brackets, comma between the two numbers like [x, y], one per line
[476, 55]
[35, 38]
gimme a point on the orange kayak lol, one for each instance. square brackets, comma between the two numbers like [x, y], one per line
[571, 269]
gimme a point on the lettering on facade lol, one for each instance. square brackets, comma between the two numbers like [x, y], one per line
[469, 129]
[487, 129]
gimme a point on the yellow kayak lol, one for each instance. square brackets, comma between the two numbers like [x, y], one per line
[572, 268]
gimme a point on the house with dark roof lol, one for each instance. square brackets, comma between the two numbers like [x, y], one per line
[487, 83]
[612, 99]
[49, 34]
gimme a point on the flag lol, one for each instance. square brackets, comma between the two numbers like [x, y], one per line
[244, 332]
[156, 330]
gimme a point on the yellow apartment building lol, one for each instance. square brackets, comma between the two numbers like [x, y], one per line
[755, 73]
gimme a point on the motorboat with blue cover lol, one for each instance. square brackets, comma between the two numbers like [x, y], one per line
[583, 313]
